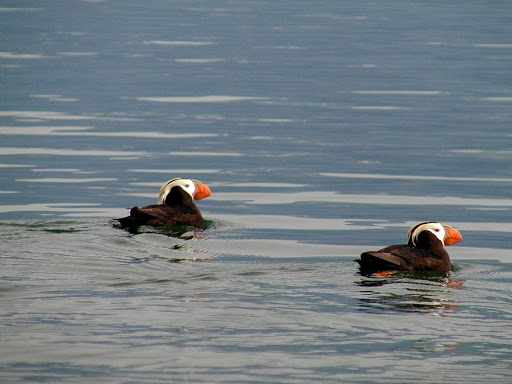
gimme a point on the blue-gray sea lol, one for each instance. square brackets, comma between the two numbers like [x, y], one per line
[323, 128]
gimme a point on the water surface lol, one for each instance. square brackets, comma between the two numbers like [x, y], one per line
[322, 130]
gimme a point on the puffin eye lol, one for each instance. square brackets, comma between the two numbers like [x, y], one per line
[437, 229]
[187, 185]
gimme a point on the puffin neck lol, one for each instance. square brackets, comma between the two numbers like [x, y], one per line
[428, 240]
[178, 196]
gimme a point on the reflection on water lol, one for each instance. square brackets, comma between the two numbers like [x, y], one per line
[180, 43]
[369, 176]
[13, 151]
[62, 209]
[422, 292]
[384, 199]
[200, 99]
[171, 171]
[55, 180]
[181, 232]
[83, 131]
[201, 293]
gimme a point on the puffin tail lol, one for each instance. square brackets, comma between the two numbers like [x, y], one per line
[378, 261]
[136, 219]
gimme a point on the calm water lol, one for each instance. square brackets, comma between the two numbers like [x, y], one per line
[323, 130]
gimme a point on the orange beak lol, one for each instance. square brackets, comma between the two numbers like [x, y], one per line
[202, 191]
[452, 236]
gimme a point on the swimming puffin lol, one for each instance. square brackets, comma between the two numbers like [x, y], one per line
[175, 206]
[423, 252]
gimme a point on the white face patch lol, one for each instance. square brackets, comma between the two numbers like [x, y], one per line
[436, 228]
[187, 184]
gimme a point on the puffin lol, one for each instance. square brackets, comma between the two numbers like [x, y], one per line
[423, 252]
[175, 206]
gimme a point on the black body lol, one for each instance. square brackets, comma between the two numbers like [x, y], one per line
[178, 210]
[428, 255]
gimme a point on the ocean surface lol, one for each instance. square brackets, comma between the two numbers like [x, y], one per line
[324, 129]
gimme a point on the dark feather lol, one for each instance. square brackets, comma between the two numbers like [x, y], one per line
[179, 210]
[428, 255]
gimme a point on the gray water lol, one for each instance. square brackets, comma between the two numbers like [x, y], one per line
[323, 129]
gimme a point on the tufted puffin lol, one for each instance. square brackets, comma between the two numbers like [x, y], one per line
[424, 251]
[175, 206]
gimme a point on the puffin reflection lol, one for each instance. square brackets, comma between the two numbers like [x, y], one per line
[427, 292]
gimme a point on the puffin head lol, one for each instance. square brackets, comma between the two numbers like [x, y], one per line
[446, 234]
[194, 188]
